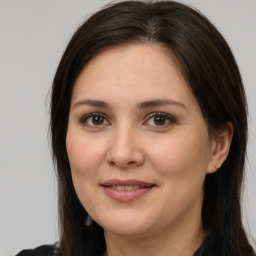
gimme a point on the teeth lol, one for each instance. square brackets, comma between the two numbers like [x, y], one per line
[118, 187]
[131, 187]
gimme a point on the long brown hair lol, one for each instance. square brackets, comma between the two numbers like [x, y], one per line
[210, 69]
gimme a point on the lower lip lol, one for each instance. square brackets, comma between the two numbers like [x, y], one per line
[126, 195]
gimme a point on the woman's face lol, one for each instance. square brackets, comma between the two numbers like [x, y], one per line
[137, 142]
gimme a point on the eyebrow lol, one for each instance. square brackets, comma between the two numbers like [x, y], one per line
[160, 102]
[94, 103]
[142, 105]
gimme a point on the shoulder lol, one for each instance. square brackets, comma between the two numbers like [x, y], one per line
[44, 250]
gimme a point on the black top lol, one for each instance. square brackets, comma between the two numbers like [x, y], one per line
[50, 250]
[44, 250]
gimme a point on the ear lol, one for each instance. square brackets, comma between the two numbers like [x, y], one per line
[220, 145]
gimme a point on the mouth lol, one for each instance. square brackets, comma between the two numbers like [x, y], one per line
[126, 190]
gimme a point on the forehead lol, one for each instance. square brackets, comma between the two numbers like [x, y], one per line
[139, 67]
[142, 55]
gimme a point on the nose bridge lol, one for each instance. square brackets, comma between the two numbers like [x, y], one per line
[125, 150]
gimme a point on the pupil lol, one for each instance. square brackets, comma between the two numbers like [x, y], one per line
[159, 120]
[97, 120]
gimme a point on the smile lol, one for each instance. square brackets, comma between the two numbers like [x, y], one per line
[127, 188]
[126, 191]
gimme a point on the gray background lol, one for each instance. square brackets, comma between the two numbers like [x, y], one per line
[33, 35]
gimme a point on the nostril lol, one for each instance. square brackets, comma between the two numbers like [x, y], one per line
[131, 163]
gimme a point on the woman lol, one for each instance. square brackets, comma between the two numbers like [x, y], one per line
[149, 131]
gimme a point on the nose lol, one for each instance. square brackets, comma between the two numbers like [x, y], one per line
[125, 149]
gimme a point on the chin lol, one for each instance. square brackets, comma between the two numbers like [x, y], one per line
[128, 225]
[127, 232]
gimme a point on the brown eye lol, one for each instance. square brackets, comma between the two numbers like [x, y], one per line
[160, 120]
[97, 120]
[94, 120]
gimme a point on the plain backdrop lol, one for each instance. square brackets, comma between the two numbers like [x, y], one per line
[33, 35]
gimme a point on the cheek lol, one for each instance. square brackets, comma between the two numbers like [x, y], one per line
[83, 154]
[84, 157]
[181, 154]
[182, 161]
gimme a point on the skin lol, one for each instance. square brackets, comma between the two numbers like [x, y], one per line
[129, 142]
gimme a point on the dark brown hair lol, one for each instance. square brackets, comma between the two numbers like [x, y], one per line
[213, 76]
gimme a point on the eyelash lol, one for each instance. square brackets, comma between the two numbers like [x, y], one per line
[85, 118]
[167, 118]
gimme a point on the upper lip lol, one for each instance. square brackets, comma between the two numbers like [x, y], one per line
[130, 182]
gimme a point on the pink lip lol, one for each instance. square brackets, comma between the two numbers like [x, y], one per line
[115, 182]
[126, 195]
